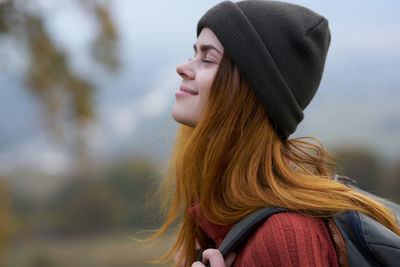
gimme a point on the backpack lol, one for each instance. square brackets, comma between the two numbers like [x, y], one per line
[367, 242]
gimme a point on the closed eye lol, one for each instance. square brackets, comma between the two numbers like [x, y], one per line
[207, 61]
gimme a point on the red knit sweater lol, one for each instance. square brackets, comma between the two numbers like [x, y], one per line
[285, 239]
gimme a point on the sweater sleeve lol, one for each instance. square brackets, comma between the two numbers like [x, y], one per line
[289, 239]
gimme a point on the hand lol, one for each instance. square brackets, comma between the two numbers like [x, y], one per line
[179, 254]
[214, 257]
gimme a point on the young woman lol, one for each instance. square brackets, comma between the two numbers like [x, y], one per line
[257, 65]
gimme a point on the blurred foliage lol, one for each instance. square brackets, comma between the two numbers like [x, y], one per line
[361, 165]
[91, 208]
[393, 186]
[114, 200]
[65, 94]
[370, 172]
[104, 48]
[6, 226]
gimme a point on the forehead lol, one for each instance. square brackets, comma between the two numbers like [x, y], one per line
[207, 37]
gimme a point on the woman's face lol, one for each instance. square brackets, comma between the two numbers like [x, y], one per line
[197, 76]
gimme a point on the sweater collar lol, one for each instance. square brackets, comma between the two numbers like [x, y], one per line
[215, 231]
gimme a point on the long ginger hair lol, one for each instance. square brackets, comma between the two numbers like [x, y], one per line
[233, 163]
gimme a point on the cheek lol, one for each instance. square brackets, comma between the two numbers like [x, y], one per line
[207, 83]
[204, 92]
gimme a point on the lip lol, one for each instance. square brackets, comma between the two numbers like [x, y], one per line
[188, 90]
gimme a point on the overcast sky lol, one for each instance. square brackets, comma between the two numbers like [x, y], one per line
[357, 101]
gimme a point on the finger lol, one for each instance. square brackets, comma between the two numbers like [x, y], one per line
[214, 257]
[230, 259]
[198, 264]
[178, 255]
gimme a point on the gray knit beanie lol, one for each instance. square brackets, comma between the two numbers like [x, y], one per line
[280, 49]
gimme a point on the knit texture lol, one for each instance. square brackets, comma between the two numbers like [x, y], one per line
[280, 49]
[285, 239]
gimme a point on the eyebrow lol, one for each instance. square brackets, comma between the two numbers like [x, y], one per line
[205, 48]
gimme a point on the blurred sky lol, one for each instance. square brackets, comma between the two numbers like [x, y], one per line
[357, 103]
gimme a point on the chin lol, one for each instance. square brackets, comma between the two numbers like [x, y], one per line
[183, 118]
[184, 121]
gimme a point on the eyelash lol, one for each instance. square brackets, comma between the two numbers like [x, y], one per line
[207, 61]
[203, 60]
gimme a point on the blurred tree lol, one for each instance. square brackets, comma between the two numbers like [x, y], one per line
[104, 48]
[93, 208]
[116, 200]
[132, 178]
[6, 225]
[394, 188]
[362, 165]
[65, 95]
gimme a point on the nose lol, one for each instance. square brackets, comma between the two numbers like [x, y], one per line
[186, 71]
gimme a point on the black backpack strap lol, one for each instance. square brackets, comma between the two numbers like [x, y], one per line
[244, 227]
